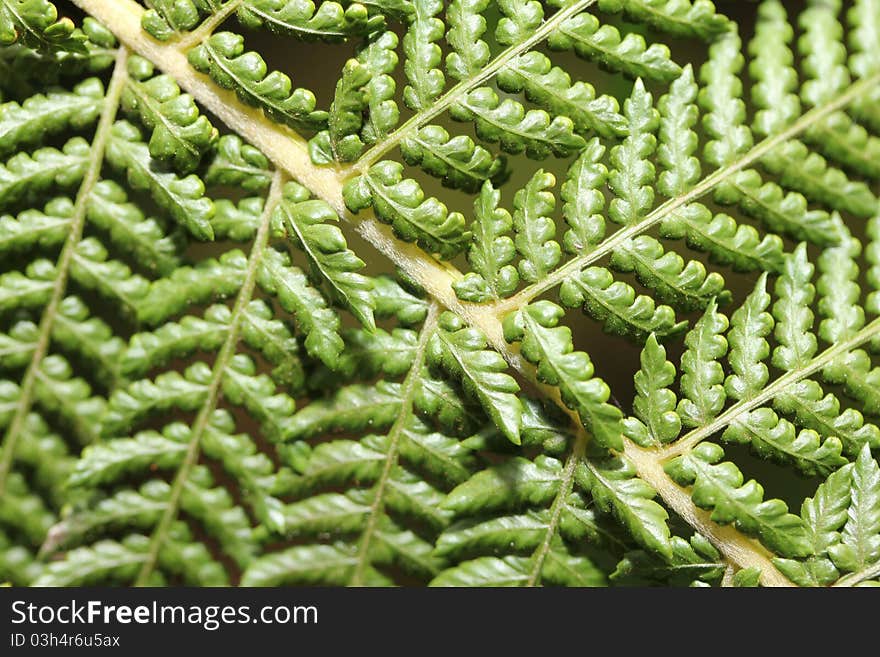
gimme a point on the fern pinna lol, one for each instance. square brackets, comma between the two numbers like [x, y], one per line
[205, 384]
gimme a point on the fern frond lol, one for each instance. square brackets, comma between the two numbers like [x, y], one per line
[297, 296]
[457, 160]
[527, 521]
[837, 137]
[632, 171]
[462, 352]
[385, 490]
[551, 87]
[466, 28]
[809, 441]
[237, 163]
[53, 112]
[615, 487]
[863, 63]
[329, 21]
[534, 230]
[719, 487]
[842, 523]
[492, 252]
[604, 44]
[617, 305]
[516, 129]
[209, 279]
[119, 561]
[143, 237]
[860, 538]
[25, 178]
[164, 19]
[183, 198]
[491, 489]
[225, 59]
[814, 177]
[692, 18]
[526, 483]
[206, 380]
[306, 222]
[550, 347]
[677, 139]
[426, 80]
[180, 134]
[381, 58]
[36, 23]
[401, 203]
[582, 193]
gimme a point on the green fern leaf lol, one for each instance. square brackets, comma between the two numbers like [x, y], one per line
[492, 252]
[297, 296]
[330, 21]
[183, 198]
[53, 112]
[518, 481]
[603, 43]
[516, 129]
[583, 198]
[237, 163]
[551, 88]
[462, 352]
[719, 487]
[466, 27]
[330, 260]
[632, 174]
[616, 489]
[401, 203]
[702, 374]
[616, 305]
[655, 403]
[384, 114]
[207, 378]
[36, 23]
[457, 160]
[26, 177]
[180, 134]
[423, 56]
[224, 58]
[550, 347]
[692, 19]
[859, 545]
[534, 229]
[842, 520]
